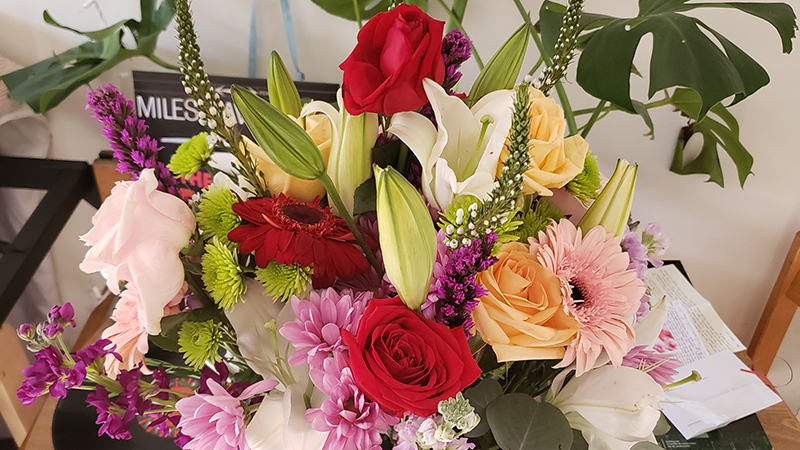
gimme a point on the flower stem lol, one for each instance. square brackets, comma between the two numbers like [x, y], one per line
[454, 18]
[333, 195]
[357, 13]
[568, 114]
[155, 59]
[595, 115]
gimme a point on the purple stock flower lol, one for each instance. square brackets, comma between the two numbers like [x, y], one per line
[458, 291]
[134, 150]
[50, 373]
[62, 314]
[26, 331]
[52, 330]
[112, 419]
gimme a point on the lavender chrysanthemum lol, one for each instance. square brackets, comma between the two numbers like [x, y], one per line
[320, 320]
[458, 291]
[126, 134]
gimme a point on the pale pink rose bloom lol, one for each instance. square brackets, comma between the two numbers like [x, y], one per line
[137, 236]
[216, 421]
[128, 334]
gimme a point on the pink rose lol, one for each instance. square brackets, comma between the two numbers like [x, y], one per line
[137, 236]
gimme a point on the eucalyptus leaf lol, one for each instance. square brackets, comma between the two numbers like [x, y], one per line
[716, 133]
[479, 397]
[644, 445]
[662, 426]
[578, 442]
[519, 422]
[45, 84]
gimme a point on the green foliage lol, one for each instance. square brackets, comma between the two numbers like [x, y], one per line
[366, 8]
[479, 397]
[722, 131]
[539, 216]
[45, 84]
[502, 70]
[518, 422]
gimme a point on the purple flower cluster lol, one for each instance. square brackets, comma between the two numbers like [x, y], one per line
[458, 290]
[113, 414]
[456, 49]
[44, 334]
[648, 249]
[134, 150]
[52, 373]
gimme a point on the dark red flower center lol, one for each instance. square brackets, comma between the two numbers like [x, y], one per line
[302, 213]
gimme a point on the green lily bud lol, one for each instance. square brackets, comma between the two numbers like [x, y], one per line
[502, 70]
[613, 205]
[280, 137]
[350, 161]
[282, 91]
[407, 236]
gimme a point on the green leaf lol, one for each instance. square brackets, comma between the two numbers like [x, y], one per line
[167, 339]
[45, 84]
[644, 445]
[502, 70]
[578, 442]
[479, 397]
[364, 198]
[644, 113]
[551, 16]
[683, 54]
[519, 422]
[725, 134]
[344, 8]
[662, 426]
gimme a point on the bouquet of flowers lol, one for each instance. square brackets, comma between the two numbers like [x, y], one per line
[413, 268]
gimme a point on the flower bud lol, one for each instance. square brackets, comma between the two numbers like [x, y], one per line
[286, 144]
[502, 70]
[26, 331]
[52, 330]
[613, 205]
[407, 236]
[282, 91]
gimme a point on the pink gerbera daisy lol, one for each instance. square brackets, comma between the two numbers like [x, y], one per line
[599, 290]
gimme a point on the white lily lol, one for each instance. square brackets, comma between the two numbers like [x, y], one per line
[280, 424]
[613, 407]
[460, 157]
[256, 320]
[352, 140]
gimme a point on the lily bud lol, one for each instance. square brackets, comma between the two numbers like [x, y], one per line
[407, 236]
[282, 90]
[286, 144]
[613, 205]
[502, 70]
[349, 164]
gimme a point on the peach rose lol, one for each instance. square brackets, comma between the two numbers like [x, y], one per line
[555, 161]
[137, 236]
[522, 316]
[318, 128]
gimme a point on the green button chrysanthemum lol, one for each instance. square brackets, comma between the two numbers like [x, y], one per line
[586, 185]
[199, 342]
[222, 274]
[191, 156]
[215, 214]
[282, 281]
[542, 214]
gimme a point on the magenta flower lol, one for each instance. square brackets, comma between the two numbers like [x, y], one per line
[112, 418]
[662, 367]
[216, 421]
[352, 422]
[320, 320]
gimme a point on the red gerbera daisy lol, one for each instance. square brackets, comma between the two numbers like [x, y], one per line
[292, 231]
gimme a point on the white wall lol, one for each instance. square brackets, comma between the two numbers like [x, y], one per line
[732, 241]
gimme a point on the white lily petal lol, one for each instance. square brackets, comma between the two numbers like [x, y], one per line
[498, 105]
[419, 134]
[620, 401]
[458, 131]
[265, 431]
[297, 432]
[327, 109]
[479, 185]
[445, 185]
[650, 326]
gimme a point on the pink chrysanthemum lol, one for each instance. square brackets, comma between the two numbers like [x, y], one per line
[598, 288]
[216, 421]
[352, 422]
[662, 367]
[320, 320]
[428, 308]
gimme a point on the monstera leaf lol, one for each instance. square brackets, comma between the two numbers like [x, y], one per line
[366, 8]
[722, 131]
[45, 84]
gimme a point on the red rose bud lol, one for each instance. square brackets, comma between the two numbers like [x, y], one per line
[396, 50]
[405, 362]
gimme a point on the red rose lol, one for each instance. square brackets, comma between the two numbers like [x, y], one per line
[405, 362]
[396, 50]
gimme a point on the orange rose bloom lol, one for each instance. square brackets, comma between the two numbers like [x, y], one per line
[522, 317]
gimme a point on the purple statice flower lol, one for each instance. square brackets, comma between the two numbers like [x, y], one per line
[456, 49]
[126, 134]
[459, 292]
[662, 367]
[112, 419]
[351, 421]
[317, 333]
